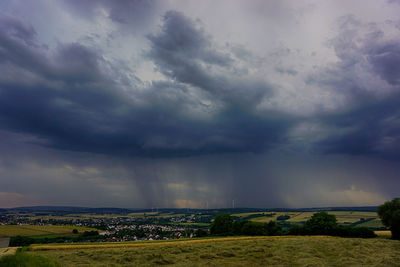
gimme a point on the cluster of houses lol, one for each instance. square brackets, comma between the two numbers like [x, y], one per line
[116, 229]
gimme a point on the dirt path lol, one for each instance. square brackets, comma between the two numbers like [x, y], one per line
[7, 251]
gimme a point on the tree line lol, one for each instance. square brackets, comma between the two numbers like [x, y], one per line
[321, 223]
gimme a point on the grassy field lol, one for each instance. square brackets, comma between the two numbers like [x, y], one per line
[245, 214]
[386, 233]
[341, 216]
[253, 251]
[376, 223]
[38, 230]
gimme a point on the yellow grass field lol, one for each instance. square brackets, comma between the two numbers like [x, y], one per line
[37, 230]
[296, 217]
[341, 216]
[157, 243]
[383, 233]
[237, 251]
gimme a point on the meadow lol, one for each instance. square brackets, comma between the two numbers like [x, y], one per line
[343, 217]
[235, 251]
[38, 230]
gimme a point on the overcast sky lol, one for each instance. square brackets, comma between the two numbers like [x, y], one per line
[181, 103]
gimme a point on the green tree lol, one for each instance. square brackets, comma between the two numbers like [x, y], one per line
[389, 212]
[222, 225]
[321, 223]
[273, 228]
[253, 228]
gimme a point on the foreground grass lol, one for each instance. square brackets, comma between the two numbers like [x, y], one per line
[288, 251]
[23, 259]
[37, 230]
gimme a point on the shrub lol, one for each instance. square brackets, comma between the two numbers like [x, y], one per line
[237, 227]
[389, 212]
[253, 228]
[283, 217]
[90, 233]
[200, 233]
[273, 228]
[20, 241]
[222, 225]
[351, 231]
[321, 223]
[298, 230]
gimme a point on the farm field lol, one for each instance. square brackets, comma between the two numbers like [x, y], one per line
[341, 216]
[297, 217]
[384, 233]
[376, 223]
[38, 230]
[253, 251]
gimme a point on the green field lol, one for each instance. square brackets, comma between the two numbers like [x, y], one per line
[297, 217]
[38, 230]
[258, 251]
[376, 223]
[245, 214]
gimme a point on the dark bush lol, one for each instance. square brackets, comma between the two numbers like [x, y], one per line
[273, 228]
[322, 223]
[254, 228]
[20, 241]
[200, 233]
[90, 233]
[389, 212]
[237, 227]
[283, 217]
[298, 230]
[222, 225]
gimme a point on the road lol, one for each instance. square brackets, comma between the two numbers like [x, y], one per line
[4, 242]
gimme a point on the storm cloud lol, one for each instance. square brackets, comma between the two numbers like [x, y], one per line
[153, 103]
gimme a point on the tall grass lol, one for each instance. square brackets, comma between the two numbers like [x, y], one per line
[23, 259]
[294, 251]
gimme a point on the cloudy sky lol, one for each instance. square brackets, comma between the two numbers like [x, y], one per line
[184, 103]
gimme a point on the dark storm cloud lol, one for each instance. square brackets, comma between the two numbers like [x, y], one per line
[386, 61]
[69, 99]
[142, 108]
[371, 129]
[369, 65]
[185, 53]
[72, 99]
[131, 14]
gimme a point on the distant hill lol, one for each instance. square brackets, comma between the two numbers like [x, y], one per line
[68, 210]
[366, 208]
[71, 209]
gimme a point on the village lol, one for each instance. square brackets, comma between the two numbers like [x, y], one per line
[108, 228]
